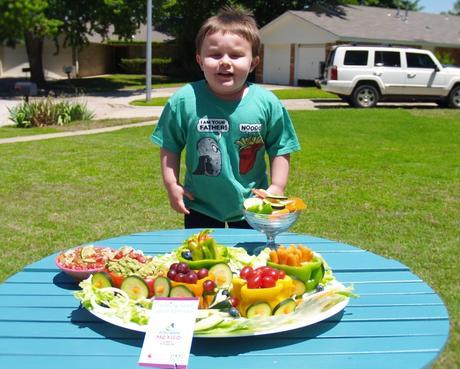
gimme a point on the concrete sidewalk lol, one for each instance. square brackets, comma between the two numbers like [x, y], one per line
[116, 104]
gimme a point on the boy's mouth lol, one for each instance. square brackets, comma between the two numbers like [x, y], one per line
[225, 74]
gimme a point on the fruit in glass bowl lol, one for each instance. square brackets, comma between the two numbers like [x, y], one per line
[272, 214]
[80, 262]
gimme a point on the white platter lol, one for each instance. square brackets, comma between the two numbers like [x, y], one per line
[291, 321]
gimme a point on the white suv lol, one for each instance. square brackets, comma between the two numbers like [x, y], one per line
[363, 75]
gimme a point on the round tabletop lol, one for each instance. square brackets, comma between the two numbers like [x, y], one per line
[397, 320]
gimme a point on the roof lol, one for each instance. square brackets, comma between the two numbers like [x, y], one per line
[367, 23]
[140, 35]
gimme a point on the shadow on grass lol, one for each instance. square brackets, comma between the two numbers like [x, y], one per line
[119, 84]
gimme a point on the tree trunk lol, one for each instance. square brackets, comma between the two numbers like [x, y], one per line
[34, 47]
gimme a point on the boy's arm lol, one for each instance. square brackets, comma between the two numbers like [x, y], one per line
[170, 169]
[279, 172]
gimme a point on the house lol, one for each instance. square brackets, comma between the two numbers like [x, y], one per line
[295, 44]
[99, 57]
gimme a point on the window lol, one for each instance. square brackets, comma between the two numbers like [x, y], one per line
[356, 57]
[387, 59]
[416, 60]
[330, 58]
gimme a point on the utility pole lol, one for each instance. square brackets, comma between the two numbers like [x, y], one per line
[148, 56]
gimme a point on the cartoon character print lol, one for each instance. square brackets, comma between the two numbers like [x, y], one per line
[248, 147]
[210, 161]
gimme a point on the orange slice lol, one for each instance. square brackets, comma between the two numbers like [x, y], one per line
[296, 203]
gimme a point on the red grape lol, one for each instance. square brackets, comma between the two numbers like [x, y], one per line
[172, 274]
[202, 273]
[209, 286]
[179, 277]
[183, 268]
[234, 301]
[191, 277]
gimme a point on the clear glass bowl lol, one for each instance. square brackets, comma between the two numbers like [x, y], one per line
[271, 224]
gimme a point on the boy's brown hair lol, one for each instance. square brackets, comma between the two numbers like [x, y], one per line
[234, 20]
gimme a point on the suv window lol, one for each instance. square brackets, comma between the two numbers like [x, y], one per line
[330, 58]
[416, 60]
[356, 57]
[387, 59]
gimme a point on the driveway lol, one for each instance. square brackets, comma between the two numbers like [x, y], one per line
[116, 104]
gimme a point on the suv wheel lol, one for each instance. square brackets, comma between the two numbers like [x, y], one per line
[365, 96]
[454, 98]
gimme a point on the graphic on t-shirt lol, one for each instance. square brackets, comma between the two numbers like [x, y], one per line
[210, 161]
[213, 125]
[248, 147]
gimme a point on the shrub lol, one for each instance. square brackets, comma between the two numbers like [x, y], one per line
[445, 58]
[137, 65]
[45, 112]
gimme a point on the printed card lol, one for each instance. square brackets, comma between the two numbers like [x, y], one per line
[169, 333]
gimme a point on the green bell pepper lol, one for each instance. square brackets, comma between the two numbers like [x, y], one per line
[315, 279]
[308, 272]
[202, 263]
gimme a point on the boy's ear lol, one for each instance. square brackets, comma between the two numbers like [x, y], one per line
[255, 63]
[198, 60]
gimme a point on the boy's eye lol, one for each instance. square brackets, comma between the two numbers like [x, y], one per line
[215, 55]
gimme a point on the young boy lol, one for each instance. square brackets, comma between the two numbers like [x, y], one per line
[226, 125]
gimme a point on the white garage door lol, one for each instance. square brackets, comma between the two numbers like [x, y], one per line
[308, 60]
[276, 64]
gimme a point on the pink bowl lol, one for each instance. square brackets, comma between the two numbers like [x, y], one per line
[78, 274]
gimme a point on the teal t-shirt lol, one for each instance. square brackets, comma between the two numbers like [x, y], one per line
[225, 143]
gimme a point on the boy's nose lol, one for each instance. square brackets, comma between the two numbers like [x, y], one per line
[224, 62]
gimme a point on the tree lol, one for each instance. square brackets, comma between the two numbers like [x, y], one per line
[456, 8]
[26, 20]
[402, 4]
[30, 21]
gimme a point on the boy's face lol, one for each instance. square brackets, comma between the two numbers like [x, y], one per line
[226, 60]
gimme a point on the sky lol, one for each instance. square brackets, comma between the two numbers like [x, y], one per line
[436, 6]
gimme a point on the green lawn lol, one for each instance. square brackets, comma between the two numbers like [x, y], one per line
[385, 180]
[12, 131]
[283, 94]
[113, 82]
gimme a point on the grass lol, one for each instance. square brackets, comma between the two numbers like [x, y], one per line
[12, 131]
[113, 82]
[303, 93]
[155, 101]
[283, 94]
[385, 180]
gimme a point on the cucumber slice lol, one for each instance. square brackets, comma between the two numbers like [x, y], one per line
[258, 309]
[162, 287]
[223, 275]
[181, 291]
[299, 285]
[275, 203]
[209, 322]
[101, 280]
[278, 197]
[135, 287]
[285, 307]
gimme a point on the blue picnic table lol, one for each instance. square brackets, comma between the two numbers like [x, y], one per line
[397, 322]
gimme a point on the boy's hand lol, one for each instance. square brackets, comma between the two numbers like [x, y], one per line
[275, 190]
[176, 195]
